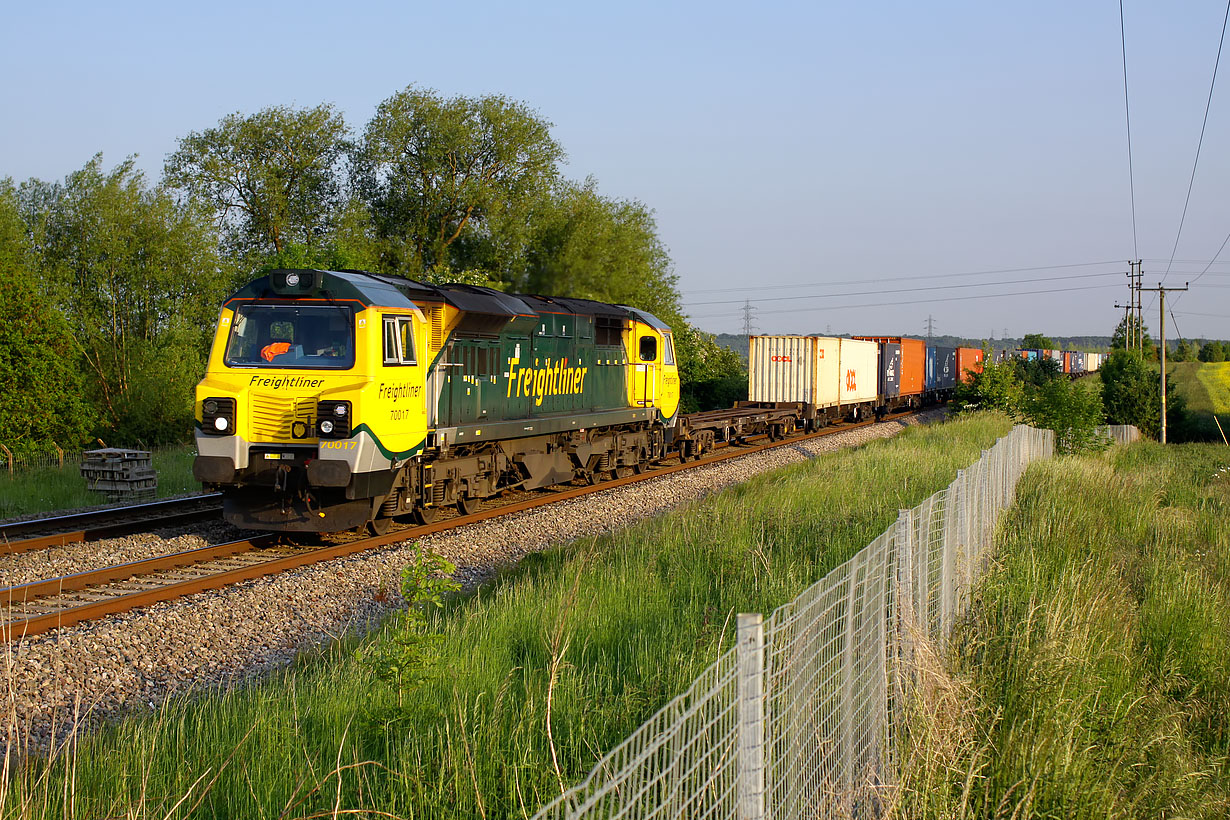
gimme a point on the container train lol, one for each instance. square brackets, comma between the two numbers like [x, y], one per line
[338, 400]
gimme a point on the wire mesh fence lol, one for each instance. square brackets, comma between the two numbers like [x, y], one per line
[798, 720]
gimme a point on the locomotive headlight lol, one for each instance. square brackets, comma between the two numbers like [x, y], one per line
[333, 418]
[218, 416]
[292, 279]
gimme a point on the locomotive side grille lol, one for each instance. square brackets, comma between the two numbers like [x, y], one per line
[436, 317]
[273, 417]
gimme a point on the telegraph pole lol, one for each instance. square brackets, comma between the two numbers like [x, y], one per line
[1161, 292]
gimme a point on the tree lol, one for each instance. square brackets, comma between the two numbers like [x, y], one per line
[1185, 351]
[1132, 394]
[1072, 411]
[273, 178]
[1036, 341]
[1038, 372]
[1130, 327]
[41, 398]
[585, 245]
[137, 275]
[997, 387]
[1212, 351]
[442, 176]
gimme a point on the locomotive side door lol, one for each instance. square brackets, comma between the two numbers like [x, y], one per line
[648, 356]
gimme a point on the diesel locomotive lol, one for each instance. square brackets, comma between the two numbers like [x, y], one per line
[341, 399]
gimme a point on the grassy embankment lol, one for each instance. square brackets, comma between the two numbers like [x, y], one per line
[44, 489]
[1206, 388]
[1092, 679]
[539, 674]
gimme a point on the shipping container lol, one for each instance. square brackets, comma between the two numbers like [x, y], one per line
[1067, 362]
[858, 376]
[968, 358]
[784, 369]
[912, 374]
[890, 370]
[941, 368]
[817, 370]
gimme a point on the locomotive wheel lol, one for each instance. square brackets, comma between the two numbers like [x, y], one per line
[467, 506]
[592, 477]
[424, 515]
[640, 468]
[379, 525]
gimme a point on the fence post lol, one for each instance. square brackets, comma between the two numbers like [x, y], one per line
[8, 455]
[902, 628]
[751, 716]
[59, 453]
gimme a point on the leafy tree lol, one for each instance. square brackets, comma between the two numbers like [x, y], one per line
[1212, 351]
[1072, 411]
[997, 387]
[1131, 393]
[1184, 351]
[137, 275]
[273, 178]
[585, 245]
[41, 396]
[1038, 372]
[1036, 341]
[1129, 326]
[441, 176]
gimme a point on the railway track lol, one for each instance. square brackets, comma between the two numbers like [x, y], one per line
[40, 533]
[40, 606]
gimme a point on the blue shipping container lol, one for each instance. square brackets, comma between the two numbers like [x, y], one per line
[941, 368]
[890, 370]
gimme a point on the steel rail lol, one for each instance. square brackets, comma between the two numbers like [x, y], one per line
[34, 625]
[96, 524]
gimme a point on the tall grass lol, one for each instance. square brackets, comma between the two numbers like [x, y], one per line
[541, 671]
[46, 489]
[1092, 678]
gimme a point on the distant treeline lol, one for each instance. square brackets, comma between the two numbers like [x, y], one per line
[113, 281]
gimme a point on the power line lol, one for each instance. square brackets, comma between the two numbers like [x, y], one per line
[1127, 113]
[796, 297]
[796, 286]
[1200, 142]
[1035, 292]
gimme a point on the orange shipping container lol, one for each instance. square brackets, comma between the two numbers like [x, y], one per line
[913, 361]
[968, 358]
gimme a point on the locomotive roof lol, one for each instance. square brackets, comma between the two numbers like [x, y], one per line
[398, 292]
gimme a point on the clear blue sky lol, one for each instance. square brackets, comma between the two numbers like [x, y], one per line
[787, 149]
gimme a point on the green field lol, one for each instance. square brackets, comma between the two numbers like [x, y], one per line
[550, 666]
[46, 489]
[1092, 678]
[1206, 388]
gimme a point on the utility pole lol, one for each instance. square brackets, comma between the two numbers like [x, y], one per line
[1161, 292]
[1139, 274]
[930, 326]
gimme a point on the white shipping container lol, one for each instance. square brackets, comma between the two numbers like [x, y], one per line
[817, 370]
[782, 368]
[859, 371]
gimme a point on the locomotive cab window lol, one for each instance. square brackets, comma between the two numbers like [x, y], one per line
[649, 349]
[289, 336]
[398, 340]
[668, 350]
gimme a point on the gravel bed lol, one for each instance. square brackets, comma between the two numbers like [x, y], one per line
[103, 669]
